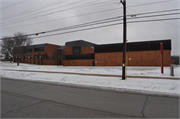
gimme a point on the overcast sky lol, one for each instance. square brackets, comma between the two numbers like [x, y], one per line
[32, 16]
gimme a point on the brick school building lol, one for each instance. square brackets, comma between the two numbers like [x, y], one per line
[83, 53]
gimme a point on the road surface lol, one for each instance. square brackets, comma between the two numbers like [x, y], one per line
[26, 99]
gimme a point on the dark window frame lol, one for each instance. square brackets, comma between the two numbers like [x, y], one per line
[41, 49]
[79, 56]
[76, 50]
[29, 50]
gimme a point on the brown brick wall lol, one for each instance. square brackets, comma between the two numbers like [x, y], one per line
[101, 59]
[66, 62]
[86, 63]
[167, 58]
[108, 59]
[119, 58]
[134, 58]
[111, 59]
[68, 50]
[158, 58]
[172, 61]
[77, 62]
[28, 60]
[49, 49]
[36, 61]
[86, 50]
[72, 62]
[138, 58]
[148, 58]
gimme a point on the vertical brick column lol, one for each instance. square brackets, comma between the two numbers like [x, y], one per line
[33, 62]
[13, 58]
[22, 58]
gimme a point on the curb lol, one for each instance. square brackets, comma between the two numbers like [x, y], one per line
[120, 90]
[102, 75]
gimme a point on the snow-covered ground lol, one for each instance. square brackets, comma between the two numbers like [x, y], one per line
[143, 85]
[117, 70]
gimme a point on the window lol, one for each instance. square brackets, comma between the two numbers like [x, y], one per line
[39, 49]
[31, 56]
[28, 50]
[76, 50]
[39, 56]
[24, 57]
[36, 56]
[28, 57]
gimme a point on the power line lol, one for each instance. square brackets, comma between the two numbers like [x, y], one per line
[97, 27]
[79, 6]
[163, 21]
[14, 4]
[32, 10]
[99, 12]
[106, 26]
[170, 10]
[26, 12]
[103, 22]
[128, 6]
[152, 3]
[156, 15]
[47, 10]
[56, 11]
[65, 18]
[128, 22]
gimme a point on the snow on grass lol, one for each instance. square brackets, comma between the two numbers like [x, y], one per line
[117, 70]
[155, 86]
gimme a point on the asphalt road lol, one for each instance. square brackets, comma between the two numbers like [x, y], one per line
[25, 99]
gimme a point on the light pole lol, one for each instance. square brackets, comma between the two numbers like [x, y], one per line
[124, 40]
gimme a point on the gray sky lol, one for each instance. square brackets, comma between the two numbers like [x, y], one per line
[26, 12]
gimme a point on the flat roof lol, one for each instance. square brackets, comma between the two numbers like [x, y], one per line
[79, 43]
[38, 45]
[134, 46]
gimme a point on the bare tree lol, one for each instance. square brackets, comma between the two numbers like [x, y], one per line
[45, 56]
[14, 46]
[20, 41]
[41, 57]
[7, 44]
[57, 56]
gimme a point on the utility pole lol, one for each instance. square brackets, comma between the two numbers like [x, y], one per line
[124, 41]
